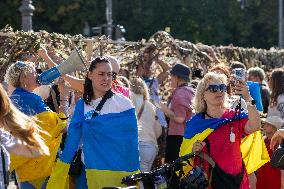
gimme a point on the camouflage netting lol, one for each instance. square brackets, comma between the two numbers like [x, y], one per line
[14, 44]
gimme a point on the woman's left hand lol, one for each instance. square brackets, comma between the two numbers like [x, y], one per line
[198, 146]
[241, 88]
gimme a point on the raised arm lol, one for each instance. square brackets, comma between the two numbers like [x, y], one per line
[75, 83]
[254, 121]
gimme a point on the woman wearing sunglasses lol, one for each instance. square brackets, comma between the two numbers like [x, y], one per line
[223, 143]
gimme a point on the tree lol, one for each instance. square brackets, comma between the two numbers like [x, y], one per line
[219, 22]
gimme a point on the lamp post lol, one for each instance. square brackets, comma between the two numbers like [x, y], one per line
[280, 24]
[26, 10]
[109, 17]
[242, 3]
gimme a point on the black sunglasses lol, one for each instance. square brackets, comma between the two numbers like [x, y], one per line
[217, 88]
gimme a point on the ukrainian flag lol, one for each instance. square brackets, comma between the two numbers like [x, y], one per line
[110, 147]
[254, 152]
[36, 170]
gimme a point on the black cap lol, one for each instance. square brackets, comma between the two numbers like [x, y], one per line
[181, 71]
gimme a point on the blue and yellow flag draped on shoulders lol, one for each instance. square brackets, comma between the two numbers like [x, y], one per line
[35, 171]
[254, 152]
[110, 147]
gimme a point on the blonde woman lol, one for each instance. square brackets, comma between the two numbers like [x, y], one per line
[149, 128]
[223, 144]
[33, 173]
[19, 135]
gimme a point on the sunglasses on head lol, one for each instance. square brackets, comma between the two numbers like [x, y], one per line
[99, 59]
[20, 64]
[217, 88]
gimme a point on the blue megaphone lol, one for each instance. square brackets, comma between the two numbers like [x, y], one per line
[75, 62]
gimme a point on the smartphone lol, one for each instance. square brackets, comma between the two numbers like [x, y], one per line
[240, 74]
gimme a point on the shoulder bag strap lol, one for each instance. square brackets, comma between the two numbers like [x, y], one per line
[54, 100]
[210, 168]
[206, 157]
[141, 110]
[107, 96]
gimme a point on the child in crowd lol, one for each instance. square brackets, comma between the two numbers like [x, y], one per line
[267, 176]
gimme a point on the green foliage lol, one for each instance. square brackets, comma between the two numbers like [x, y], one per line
[218, 22]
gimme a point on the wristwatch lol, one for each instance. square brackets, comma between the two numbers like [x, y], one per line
[250, 102]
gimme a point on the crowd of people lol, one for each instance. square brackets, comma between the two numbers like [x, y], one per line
[90, 133]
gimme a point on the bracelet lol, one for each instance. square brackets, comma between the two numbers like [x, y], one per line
[63, 100]
[251, 105]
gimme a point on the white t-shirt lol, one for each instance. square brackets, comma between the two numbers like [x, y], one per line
[277, 110]
[116, 104]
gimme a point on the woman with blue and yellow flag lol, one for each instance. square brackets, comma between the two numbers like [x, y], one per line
[104, 126]
[33, 172]
[218, 131]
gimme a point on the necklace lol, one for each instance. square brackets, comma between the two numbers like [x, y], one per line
[208, 115]
[232, 136]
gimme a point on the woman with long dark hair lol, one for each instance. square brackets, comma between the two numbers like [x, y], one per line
[104, 126]
[276, 105]
[276, 84]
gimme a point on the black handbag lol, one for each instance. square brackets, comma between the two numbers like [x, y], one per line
[76, 164]
[277, 158]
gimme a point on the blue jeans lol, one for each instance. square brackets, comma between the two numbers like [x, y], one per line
[148, 153]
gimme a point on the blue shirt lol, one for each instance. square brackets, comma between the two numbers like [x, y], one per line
[28, 103]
